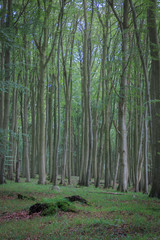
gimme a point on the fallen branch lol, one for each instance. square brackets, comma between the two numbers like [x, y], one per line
[110, 193]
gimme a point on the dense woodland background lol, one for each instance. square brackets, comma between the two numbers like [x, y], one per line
[80, 92]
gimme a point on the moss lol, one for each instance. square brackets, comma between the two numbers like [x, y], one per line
[51, 208]
[65, 206]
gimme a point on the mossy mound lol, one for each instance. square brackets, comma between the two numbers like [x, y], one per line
[38, 207]
[23, 197]
[65, 206]
[77, 198]
[50, 208]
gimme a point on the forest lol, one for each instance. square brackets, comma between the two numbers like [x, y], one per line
[80, 93]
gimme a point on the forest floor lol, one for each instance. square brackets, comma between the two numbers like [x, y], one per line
[107, 216]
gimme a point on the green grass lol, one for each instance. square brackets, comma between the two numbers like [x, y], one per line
[108, 216]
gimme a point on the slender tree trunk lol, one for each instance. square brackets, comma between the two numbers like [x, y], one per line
[139, 160]
[100, 155]
[54, 169]
[86, 114]
[33, 111]
[37, 129]
[59, 103]
[47, 123]
[18, 163]
[107, 148]
[12, 129]
[123, 104]
[42, 150]
[65, 143]
[50, 129]
[82, 143]
[70, 146]
[95, 143]
[146, 153]
[116, 171]
[25, 122]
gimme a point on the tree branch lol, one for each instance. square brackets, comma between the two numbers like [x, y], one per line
[116, 15]
[21, 13]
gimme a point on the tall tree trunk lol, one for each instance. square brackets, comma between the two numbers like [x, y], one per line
[95, 143]
[123, 104]
[87, 116]
[33, 148]
[100, 155]
[155, 96]
[50, 128]
[54, 167]
[65, 142]
[25, 121]
[146, 153]
[13, 127]
[42, 150]
[70, 146]
[6, 97]
[55, 174]
[107, 149]
[37, 128]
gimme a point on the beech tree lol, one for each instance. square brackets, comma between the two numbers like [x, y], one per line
[5, 96]
[79, 92]
[155, 96]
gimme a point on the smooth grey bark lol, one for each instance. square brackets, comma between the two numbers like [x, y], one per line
[42, 153]
[139, 159]
[12, 129]
[18, 162]
[55, 173]
[54, 168]
[100, 154]
[146, 153]
[50, 125]
[13, 125]
[116, 171]
[26, 159]
[37, 128]
[90, 160]
[33, 146]
[95, 143]
[70, 146]
[85, 112]
[123, 24]
[123, 104]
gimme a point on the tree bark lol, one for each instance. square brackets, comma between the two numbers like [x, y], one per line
[33, 110]
[26, 160]
[55, 174]
[123, 104]
[6, 96]
[155, 96]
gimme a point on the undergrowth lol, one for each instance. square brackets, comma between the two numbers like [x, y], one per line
[108, 215]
